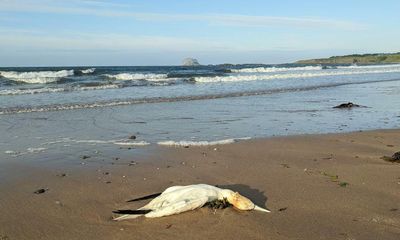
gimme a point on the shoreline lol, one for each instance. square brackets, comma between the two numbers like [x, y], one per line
[329, 186]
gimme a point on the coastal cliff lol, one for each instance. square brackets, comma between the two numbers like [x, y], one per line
[375, 58]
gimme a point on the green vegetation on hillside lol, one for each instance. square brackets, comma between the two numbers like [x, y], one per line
[375, 58]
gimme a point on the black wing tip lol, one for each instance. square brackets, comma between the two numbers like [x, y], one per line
[132, 212]
[145, 197]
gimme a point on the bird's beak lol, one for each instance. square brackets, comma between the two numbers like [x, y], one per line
[257, 208]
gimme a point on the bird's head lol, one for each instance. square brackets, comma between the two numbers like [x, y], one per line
[241, 202]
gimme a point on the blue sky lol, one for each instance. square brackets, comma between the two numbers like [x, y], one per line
[163, 32]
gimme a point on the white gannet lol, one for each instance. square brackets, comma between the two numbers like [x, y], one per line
[178, 199]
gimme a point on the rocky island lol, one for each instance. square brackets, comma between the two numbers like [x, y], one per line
[190, 62]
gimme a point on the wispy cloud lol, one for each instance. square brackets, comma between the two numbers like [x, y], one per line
[26, 40]
[96, 3]
[106, 9]
[4, 19]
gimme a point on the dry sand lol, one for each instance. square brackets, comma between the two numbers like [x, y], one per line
[302, 179]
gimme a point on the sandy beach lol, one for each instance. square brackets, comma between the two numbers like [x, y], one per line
[292, 104]
[333, 186]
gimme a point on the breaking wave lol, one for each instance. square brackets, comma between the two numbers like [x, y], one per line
[275, 69]
[260, 77]
[138, 76]
[88, 71]
[309, 68]
[130, 101]
[370, 66]
[36, 77]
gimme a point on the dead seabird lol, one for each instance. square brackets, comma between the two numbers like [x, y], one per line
[178, 199]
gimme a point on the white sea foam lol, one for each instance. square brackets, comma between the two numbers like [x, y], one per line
[36, 77]
[12, 152]
[28, 151]
[116, 142]
[67, 107]
[370, 66]
[29, 91]
[137, 143]
[88, 71]
[122, 142]
[200, 143]
[275, 69]
[307, 68]
[138, 76]
[6, 92]
[35, 150]
[259, 77]
[62, 140]
[100, 87]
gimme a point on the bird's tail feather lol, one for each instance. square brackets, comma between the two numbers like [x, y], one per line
[145, 197]
[125, 217]
[130, 214]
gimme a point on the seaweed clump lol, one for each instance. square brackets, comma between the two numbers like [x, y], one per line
[395, 158]
[218, 204]
[347, 105]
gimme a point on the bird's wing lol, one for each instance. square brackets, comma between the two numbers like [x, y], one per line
[154, 195]
[173, 188]
[177, 194]
[178, 207]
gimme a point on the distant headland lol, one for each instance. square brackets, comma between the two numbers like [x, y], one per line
[374, 58]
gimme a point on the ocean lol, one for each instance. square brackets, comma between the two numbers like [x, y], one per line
[49, 89]
[46, 107]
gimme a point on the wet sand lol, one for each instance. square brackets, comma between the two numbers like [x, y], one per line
[333, 186]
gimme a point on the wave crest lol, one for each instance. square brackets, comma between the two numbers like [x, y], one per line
[130, 101]
[36, 77]
[370, 66]
[88, 71]
[275, 69]
[138, 76]
[263, 77]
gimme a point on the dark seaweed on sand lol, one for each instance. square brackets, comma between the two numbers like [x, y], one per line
[218, 204]
[395, 158]
[40, 191]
